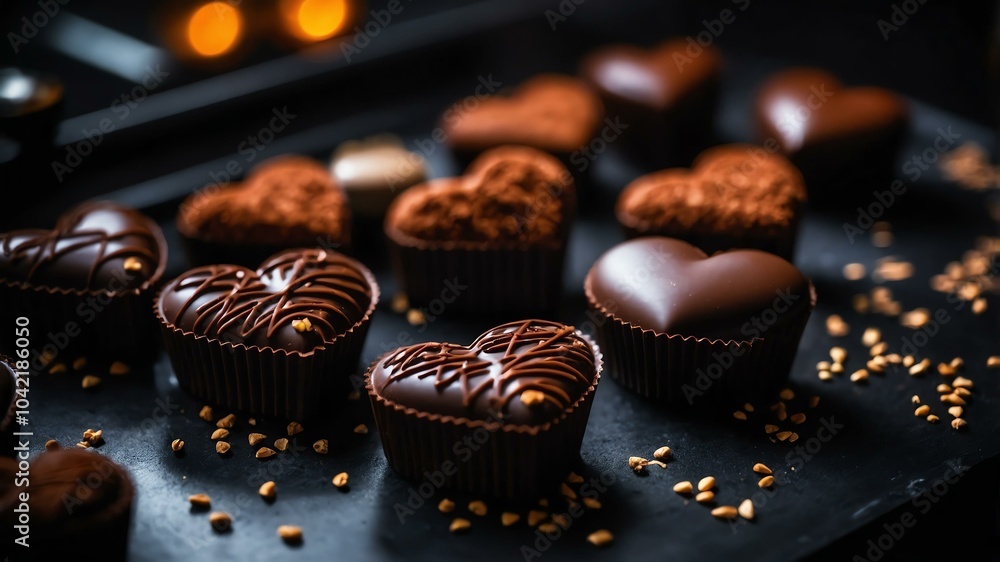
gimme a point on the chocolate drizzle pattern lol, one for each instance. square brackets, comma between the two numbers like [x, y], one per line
[483, 380]
[87, 250]
[297, 300]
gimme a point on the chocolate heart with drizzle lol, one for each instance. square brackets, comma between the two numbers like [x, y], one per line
[95, 247]
[526, 373]
[297, 300]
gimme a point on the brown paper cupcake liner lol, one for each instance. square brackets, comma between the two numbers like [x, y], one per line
[265, 380]
[517, 462]
[479, 279]
[687, 371]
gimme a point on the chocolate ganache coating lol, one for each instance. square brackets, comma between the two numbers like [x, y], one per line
[96, 246]
[297, 300]
[487, 380]
[671, 287]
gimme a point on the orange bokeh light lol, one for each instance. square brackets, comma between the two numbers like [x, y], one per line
[314, 20]
[214, 29]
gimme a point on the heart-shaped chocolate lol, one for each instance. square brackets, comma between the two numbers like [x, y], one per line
[95, 247]
[670, 287]
[659, 78]
[509, 196]
[525, 373]
[295, 301]
[806, 109]
[289, 201]
[550, 112]
[735, 193]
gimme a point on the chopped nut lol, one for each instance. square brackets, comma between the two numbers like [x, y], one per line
[908, 361]
[746, 509]
[477, 507]
[294, 428]
[859, 303]
[268, 490]
[119, 368]
[535, 517]
[748, 407]
[176, 445]
[963, 392]
[738, 414]
[221, 447]
[813, 401]
[944, 389]
[761, 468]
[915, 399]
[770, 428]
[220, 521]
[823, 366]
[302, 325]
[255, 438]
[838, 354]
[876, 366]
[993, 361]
[878, 349]
[508, 518]
[782, 415]
[79, 363]
[252, 421]
[201, 501]
[836, 327]
[459, 525]
[962, 382]
[871, 337]
[220, 434]
[860, 375]
[663, 453]
[799, 418]
[684, 487]
[955, 411]
[638, 464]
[916, 318]
[205, 413]
[415, 317]
[766, 482]
[321, 446]
[265, 453]
[882, 239]
[787, 394]
[705, 497]
[446, 506]
[945, 370]
[58, 368]
[783, 435]
[566, 491]
[725, 512]
[600, 538]
[281, 444]
[51, 445]
[90, 381]
[919, 368]
[132, 263]
[957, 363]
[92, 437]
[933, 419]
[825, 375]
[532, 398]
[706, 483]
[400, 303]
[979, 306]
[592, 503]
[290, 533]
[340, 480]
[922, 411]
[574, 478]
[953, 399]
[793, 437]
[361, 429]
[227, 422]
[958, 423]
[837, 368]
[854, 271]
[894, 358]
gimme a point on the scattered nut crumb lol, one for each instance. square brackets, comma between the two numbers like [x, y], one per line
[592, 503]
[871, 337]
[787, 394]
[220, 521]
[838, 354]
[601, 537]
[993, 362]
[281, 443]
[638, 464]
[446, 506]
[322, 446]
[979, 306]
[221, 447]
[854, 271]
[536, 516]
[813, 401]
[477, 507]
[400, 303]
[294, 428]
[566, 491]
[761, 468]
[955, 411]
[770, 428]
[825, 375]
[79, 363]
[415, 317]
[663, 453]
[508, 518]
[922, 411]
[255, 438]
[684, 487]
[766, 482]
[353, 395]
[205, 413]
[953, 399]
[861, 375]
[705, 497]
[916, 318]
[574, 478]
[837, 368]
[227, 422]
[268, 490]
[58, 368]
[176, 445]
[252, 421]
[798, 419]
[340, 480]
[958, 423]
[220, 434]
[725, 512]
[201, 501]
[459, 525]
[119, 368]
[919, 368]
[706, 483]
[90, 381]
[265, 453]
[746, 509]
[361, 429]
[962, 382]
[291, 534]
[738, 414]
[933, 419]
[836, 327]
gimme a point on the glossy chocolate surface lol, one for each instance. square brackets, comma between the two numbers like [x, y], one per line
[487, 379]
[329, 292]
[95, 247]
[671, 287]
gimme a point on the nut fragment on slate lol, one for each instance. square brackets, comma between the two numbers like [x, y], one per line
[738, 414]
[567, 492]
[861, 375]
[786, 394]
[871, 337]
[508, 518]
[58, 368]
[477, 507]
[962, 382]
[321, 446]
[340, 480]
[592, 503]
[221, 447]
[255, 438]
[201, 501]
[93, 437]
[663, 453]
[294, 428]
[446, 506]
[119, 368]
[264, 453]
[281, 444]
[638, 464]
[415, 317]
[176, 445]
[602, 537]
[766, 482]
[958, 423]
[574, 478]
[684, 487]
[79, 363]
[268, 490]
[933, 419]
[993, 362]
[221, 521]
[922, 411]
[205, 413]
[955, 411]
[400, 303]
[290, 533]
[761, 468]
[725, 512]
[90, 381]
[836, 327]
[536, 516]
[220, 434]
[361, 429]
[227, 422]
[705, 497]
[838, 354]
[459, 525]
[706, 483]
[746, 509]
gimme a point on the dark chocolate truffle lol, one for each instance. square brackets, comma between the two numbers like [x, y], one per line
[839, 137]
[285, 202]
[500, 231]
[274, 340]
[734, 196]
[527, 385]
[96, 269]
[669, 312]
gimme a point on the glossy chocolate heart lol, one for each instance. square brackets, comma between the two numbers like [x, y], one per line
[510, 195]
[657, 78]
[95, 247]
[673, 288]
[297, 300]
[526, 373]
[732, 191]
[550, 112]
[804, 108]
[289, 201]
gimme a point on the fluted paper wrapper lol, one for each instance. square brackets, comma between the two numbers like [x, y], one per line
[516, 462]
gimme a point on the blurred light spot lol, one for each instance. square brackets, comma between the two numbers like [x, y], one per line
[314, 20]
[214, 29]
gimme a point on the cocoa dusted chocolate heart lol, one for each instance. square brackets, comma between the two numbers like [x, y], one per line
[670, 287]
[102, 247]
[734, 196]
[298, 300]
[549, 112]
[524, 373]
